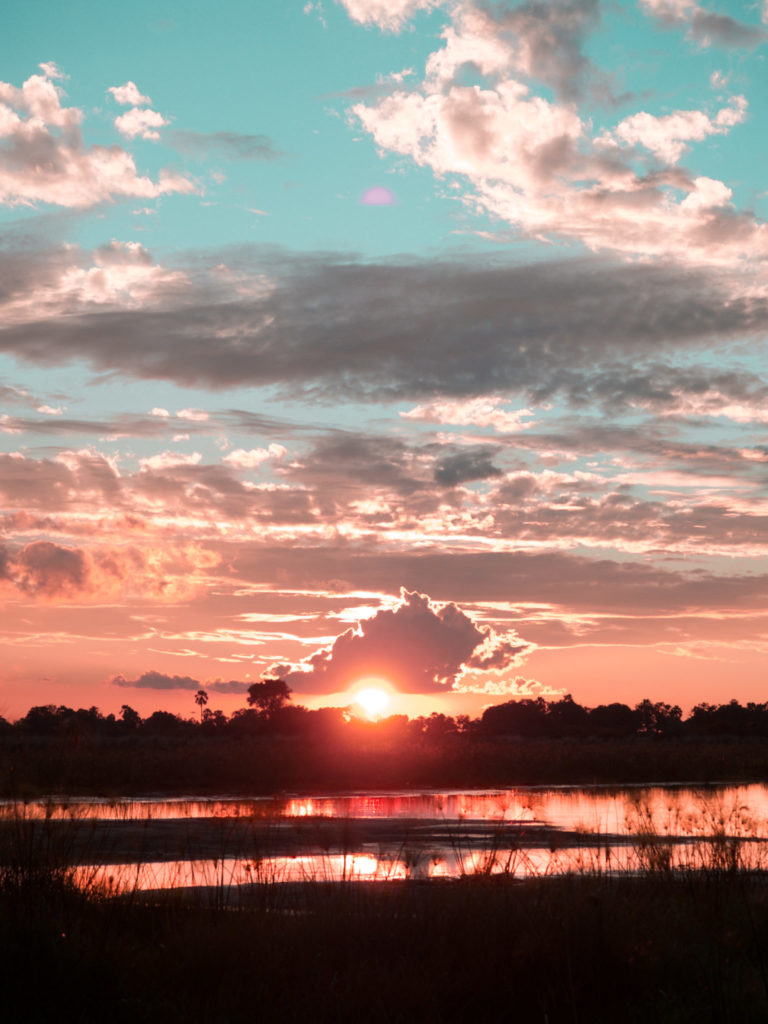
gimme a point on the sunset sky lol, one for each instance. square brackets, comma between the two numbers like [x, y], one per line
[411, 340]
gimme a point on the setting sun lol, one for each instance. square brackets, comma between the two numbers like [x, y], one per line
[372, 700]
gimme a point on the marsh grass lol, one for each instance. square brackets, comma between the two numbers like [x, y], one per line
[670, 943]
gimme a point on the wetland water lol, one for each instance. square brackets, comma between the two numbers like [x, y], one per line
[232, 843]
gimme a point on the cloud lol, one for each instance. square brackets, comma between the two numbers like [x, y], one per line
[160, 681]
[396, 330]
[419, 646]
[142, 123]
[534, 40]
[476, 412]
[390, 15]
[538, 165]
[195, 415]
[473, 463]
[43, 569]
[168, 460]
[666, 137]
[253, 457]
[128, 95]
[50, 572]
[705, 27]
[43, 158]
[231, 145]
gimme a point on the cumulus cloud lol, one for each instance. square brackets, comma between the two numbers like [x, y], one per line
[667, 137]
[241, 458]
[161, 681]
[138, 122]
[537, 164]
[43, 158]
[47, 571]
[391, 15]
[419, 646]
[472, 463]
[195, 415]
[705, 27]
[167, 460]
[128, 95]
[475, 412]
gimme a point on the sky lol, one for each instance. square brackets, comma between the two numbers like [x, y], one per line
[414, 341]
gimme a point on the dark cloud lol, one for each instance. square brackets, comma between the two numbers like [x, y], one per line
[44, 569]
[708, 27]
[160, 681]
[328, 329]
[552, 33]
[419, 647]
[231, 145]
[474, 463]
[567, 582]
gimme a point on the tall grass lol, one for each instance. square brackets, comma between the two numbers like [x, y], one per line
[671, 943]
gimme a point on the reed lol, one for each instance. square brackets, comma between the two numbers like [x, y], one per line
[675, 941]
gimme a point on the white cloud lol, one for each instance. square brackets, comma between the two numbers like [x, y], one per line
[387, 14]
[250, 459]
[666, 137]
[476, 412]
[142, 123]
[43, 157]
[166, 460]
[196, 415]
[534, 163]
[119, 273]
[128, 95]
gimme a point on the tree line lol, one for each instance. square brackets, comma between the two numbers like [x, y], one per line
[270, 711]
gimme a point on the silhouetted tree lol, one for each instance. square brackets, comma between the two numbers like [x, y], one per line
[659, 719]
[201, 699]
[269, 696]
[130, 719]
[613, 720]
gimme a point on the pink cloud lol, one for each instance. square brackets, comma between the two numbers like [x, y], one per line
[50, 572]
[419, 646]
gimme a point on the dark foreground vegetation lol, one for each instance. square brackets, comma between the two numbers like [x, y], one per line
[273, 746]
[659, 948]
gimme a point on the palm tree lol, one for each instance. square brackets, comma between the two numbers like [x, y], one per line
[201, 699]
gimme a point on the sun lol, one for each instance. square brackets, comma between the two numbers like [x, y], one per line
[373, 700]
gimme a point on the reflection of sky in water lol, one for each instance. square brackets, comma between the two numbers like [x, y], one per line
[448, 835]
[670, 810]
[235, 873]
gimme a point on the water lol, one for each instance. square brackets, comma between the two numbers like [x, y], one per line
[230, 843]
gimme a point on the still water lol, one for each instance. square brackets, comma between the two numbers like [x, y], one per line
[228, 843]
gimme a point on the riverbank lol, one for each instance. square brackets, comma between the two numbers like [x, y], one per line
[81, 766]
